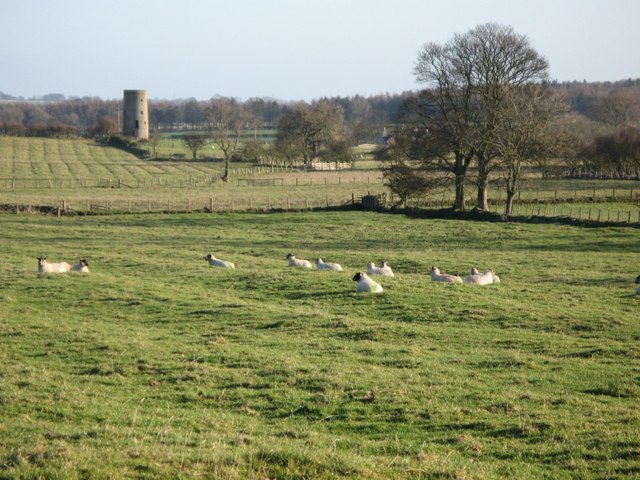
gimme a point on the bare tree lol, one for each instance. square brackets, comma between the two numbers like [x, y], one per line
[227, 119]
[525, 131]
[447, 112]
[194, 142]
[306, 129]
[500, 59]
[468, 78]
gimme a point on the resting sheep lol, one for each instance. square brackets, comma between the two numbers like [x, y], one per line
[485, 278]
[365, 284]
[215, 262]
[46, 267]
[297, 262]
[322, 265]
[82, 266]
[436, 276]
[383, 269]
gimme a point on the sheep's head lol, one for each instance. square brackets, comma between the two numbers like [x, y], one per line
[41, 260]
[319, 260]
[474, 271]
[291, 255]
[84, 262]
[209, 257]
[358, 276]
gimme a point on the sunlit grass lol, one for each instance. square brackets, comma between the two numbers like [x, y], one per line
[156, 365]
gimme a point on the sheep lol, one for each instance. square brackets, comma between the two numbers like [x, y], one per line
[82, 266]
[365, 284]
[383, 269]
[322, 265]
[297, 262]
[46, 267]
[485, 278]
[436, 276]
[215, 262]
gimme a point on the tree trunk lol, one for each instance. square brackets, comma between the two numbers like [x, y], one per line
[483, 190]
[483, 183]
[459, 202]
[513, 180]
[511, 195]
[225, 177]
[460, 170]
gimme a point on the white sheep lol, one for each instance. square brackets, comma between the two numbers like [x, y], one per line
[322, 265]
[297, 262]
[46, 267]
[365, 284]
[485, 278]
[383, 269]
[82, 266]
[216, 262]
[436, 276]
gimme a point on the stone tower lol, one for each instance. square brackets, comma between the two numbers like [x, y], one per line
[135, 119]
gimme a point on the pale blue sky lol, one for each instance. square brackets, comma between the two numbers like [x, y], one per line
[287, 49]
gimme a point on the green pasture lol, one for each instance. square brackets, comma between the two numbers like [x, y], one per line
[155, 365]
[81, 175]
[80, 159]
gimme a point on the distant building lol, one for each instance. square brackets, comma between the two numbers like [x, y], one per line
[135, 119]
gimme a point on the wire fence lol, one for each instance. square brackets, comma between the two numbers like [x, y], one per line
[192, 181]
[597, 213]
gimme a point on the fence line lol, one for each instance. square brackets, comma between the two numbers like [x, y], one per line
[186, 182]
[299, 203]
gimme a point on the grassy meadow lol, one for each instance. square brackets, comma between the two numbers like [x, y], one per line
[44, 171]
[155, 365]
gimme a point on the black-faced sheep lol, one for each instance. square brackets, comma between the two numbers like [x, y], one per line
[297, 262]
[436, 276]
[365, 284]
[216, 262]
[46, 267]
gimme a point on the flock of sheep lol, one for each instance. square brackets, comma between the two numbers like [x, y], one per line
[364, 282]
[82, 266]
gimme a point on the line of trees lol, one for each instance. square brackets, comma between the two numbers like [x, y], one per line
[488, 104]
[305, 132]
[55, 116]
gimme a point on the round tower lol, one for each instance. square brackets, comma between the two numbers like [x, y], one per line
[135, 118]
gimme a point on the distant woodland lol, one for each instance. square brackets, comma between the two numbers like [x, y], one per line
[597, 107]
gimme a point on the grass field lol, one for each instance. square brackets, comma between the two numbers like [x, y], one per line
[155, 365]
